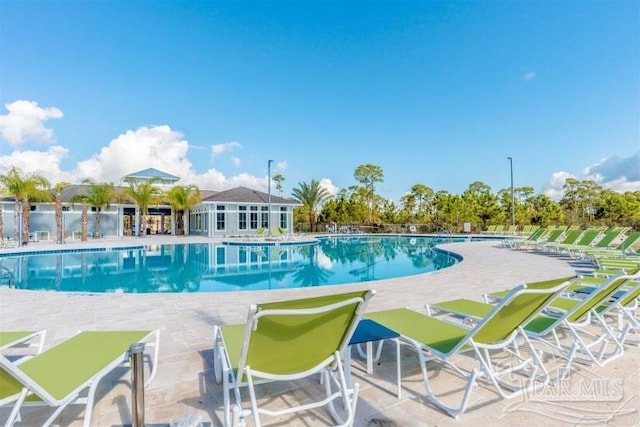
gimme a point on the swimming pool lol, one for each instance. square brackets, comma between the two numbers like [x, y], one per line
[220, 267]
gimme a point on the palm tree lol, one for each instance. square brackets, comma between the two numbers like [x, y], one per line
[311, 196]
[99, 195]
[24, 189]
[144, 194]
[59, 187]
[182, 198]
[82, 198]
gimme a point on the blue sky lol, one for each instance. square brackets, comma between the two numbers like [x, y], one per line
[437, 93]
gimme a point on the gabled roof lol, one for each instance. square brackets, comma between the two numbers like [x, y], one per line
[246, 195]
[151, 173]
[73, 190]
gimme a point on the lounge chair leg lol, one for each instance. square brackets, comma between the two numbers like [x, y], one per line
[252, 397]
[89, 404]
[53, 416]
[349, 396]
[238, 419]
[15, 411]
[471, 382]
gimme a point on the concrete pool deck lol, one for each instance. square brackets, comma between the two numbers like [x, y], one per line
[184, 385]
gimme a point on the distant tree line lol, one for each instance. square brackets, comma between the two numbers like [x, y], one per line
[584, 203]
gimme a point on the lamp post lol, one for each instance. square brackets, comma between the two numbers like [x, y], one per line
[269, 209]
[513, 204]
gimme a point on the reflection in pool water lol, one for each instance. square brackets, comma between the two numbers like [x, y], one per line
[218, 267]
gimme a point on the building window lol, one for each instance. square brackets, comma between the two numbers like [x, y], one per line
[254, 217]
[283, 218]
[264, 217]
[221, 255]
[242, 217]
[220, 218]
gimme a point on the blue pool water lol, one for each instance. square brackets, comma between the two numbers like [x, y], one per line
[219, 267]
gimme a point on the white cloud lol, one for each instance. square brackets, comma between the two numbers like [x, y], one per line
[157, 146]
[530, 75]
[323, 260]
[554, 188]
[615, 168]
[281, 166]
[25, 122]
[236, 161]
[614, 173]
[44, 163]
[219, 149]
[328, 184]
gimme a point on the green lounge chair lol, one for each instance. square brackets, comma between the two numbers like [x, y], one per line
[497, 330]
[624, 248]
[258, 235]
[618, 263]
[569, 238]
[532, 239]
[491, 229]
[60, 375]
[586, 240]
[576, 316]
[9, 339]
[287, 341]
[610, 236]
[527, 229]
[551, 237]
[622, 305]
[624, 308]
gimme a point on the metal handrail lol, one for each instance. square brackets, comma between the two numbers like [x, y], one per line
[9, 272]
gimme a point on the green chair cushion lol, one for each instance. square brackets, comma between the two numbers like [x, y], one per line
[68, 365]
[434, 333]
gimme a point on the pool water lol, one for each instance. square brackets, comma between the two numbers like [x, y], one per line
[220, 267]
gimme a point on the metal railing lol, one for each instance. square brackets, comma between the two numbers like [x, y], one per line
[136, 358]
[6, 274]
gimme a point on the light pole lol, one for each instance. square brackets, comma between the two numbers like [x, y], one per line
[513, 204]
[269, 209]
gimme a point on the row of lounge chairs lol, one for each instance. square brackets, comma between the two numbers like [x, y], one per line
[610, 252]
[296, 339]
[8, 243]
[577, 243]
[586, 321]
[263, 233]
[511, 229]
